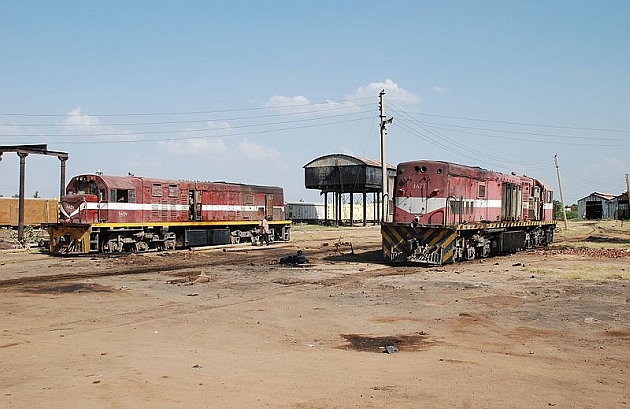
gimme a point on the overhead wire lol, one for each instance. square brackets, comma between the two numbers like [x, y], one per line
[129, 133]
[206, 136]
[570, 137]
[308, 104]
[523, 123]
[224, 119]
[456, 146]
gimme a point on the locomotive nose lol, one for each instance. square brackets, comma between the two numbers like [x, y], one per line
[70, 210]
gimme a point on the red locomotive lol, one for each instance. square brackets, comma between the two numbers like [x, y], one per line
[445, 212]
[128, 213]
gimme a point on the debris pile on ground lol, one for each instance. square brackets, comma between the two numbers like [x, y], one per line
[339, 244]
[297, 258]
[585, 252]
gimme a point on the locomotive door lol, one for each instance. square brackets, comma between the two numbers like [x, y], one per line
[269, 205]
[194, 205]
[102, 207]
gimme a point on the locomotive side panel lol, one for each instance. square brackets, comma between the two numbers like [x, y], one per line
[121, 204]
[439, 193]
[163, 201]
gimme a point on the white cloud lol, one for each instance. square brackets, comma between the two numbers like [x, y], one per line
[345, 149]
[255, 151]
[224, 125]
[439, 90]
[10, 135]
[78, 118]
[392, 91]
[301, 105]
[190, 143]
[282, 101]
[9, 130]
[195, 147]
[88, 126]
[617, 164]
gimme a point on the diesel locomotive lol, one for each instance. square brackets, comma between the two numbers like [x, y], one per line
[112, 214]
[445, 212]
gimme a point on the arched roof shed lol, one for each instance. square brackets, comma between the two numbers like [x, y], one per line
[341, 173]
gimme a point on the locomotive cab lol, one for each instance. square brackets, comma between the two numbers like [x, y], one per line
[74, 207]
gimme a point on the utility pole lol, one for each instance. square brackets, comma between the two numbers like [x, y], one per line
[564, 210]
[384, 122]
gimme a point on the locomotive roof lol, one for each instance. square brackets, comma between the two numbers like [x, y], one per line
[126, 182]
[452, 165]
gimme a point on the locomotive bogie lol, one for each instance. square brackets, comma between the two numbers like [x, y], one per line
[437, 245]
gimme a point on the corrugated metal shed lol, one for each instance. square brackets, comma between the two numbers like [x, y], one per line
[345, 174]
[597, 206]
[341, 174]
[623, 206]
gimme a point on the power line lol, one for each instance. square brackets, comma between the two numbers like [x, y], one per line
[20, 114]
[204, 136]
[575, 128]
[601, 142]
[524, 133]
[454, 145]
[190, 130]
[186, 121]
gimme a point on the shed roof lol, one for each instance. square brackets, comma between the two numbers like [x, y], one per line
[343, 173]
[341, 159]
[605, 196]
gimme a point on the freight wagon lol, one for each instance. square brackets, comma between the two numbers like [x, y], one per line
[37, 212]
[301, 212]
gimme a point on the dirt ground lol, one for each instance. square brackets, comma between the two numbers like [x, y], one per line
[234, 328]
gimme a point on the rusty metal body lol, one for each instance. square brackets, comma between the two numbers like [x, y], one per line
[445, 212]
[128, 213]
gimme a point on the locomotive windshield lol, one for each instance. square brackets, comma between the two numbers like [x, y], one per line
[83, 188]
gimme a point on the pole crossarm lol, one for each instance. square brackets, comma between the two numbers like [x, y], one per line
[40, 149]
[23, 151]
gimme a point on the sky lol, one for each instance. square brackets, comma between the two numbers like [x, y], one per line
[251, 91]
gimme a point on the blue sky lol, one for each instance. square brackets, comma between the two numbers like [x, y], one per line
[250, 92]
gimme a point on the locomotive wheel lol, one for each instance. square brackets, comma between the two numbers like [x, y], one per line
[112, 246]
[470, 253]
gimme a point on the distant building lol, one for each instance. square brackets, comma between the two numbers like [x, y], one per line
[597, 206]
[623, 206]
[301, 212]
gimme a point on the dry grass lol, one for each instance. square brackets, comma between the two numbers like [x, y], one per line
[591, 271]
[594, 235]
[603, 234]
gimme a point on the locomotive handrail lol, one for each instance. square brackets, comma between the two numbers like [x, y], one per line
[84, 202]
[446, 209]
[98, 210]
